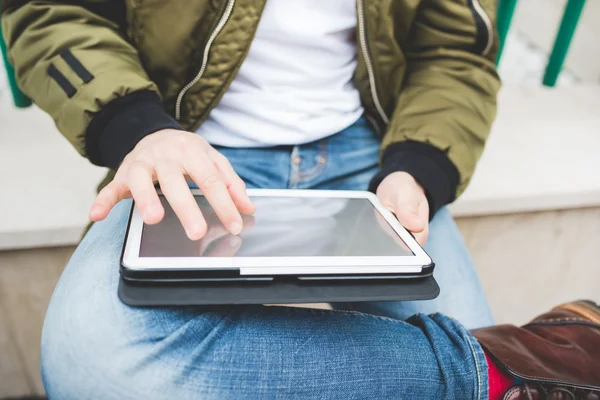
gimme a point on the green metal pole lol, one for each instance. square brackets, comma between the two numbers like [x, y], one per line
[563, 41]
[506, 10]
[19, 97]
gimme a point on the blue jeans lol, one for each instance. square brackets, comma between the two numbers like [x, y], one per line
[95, 347]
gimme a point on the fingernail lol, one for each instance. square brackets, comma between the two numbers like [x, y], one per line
[192, 232]
[95, 209]
[151, 211]
[235, 228]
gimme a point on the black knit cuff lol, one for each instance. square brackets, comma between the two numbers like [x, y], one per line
[121, 124]
[430, 166]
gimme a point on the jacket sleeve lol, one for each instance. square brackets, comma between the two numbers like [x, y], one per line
[448, 103]
[72, 59]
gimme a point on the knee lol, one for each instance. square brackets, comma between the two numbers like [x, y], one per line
[81, 329]
[88, 354]
[97, 348]
[75, 354]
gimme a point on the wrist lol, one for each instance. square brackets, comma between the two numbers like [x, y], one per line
[122, 123]
[427, 165]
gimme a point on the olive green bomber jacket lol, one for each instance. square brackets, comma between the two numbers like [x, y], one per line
[110, 72]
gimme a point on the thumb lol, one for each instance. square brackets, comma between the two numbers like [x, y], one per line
[107, 199]
[408, 215]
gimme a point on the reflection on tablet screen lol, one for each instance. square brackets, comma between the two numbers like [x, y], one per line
[281, 227]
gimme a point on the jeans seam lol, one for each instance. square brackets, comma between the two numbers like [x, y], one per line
[315, 170]
[318, 167]
[358, 314]
[468, 335]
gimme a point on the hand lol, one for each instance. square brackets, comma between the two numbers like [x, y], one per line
[169, 157]
[400, 193]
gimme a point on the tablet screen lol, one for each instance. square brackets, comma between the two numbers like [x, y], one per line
[281, 227]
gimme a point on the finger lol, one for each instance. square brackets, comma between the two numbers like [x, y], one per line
[141, 185]
[422, 236]
[208, 179]
[423, 213]
[227, 246]
[179, 196]
[423, 210]
[387, 228]
[108, 197]
[235, 184]
[407, 212]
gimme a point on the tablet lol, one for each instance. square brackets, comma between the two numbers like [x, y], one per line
[305, 234]
[200, 293]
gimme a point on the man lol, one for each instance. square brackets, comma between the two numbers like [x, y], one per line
[265, 93]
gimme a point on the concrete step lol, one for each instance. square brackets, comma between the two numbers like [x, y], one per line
[46, 187]
[544, 153]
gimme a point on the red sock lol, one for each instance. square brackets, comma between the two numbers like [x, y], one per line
[499, 380]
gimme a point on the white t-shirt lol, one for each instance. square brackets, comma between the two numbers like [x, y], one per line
[296, 84]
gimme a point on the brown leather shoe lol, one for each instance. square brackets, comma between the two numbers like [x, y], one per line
[557, 355]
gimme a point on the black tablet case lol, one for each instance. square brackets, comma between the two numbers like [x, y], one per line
[157, 294]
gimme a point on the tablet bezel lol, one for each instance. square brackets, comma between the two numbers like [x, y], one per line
[282, 265]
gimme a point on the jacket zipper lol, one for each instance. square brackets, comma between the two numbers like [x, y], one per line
[363, 45]
[215, 33]
[369, 63]
[480, 12]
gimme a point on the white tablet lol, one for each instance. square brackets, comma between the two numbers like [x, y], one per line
[293, 232]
